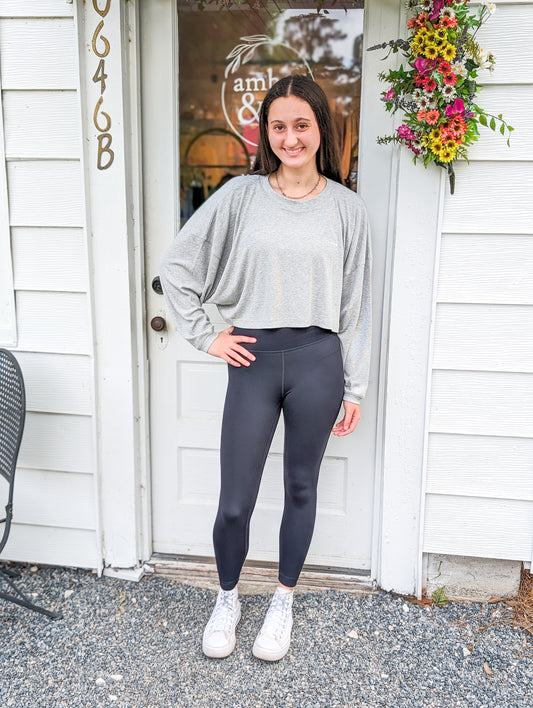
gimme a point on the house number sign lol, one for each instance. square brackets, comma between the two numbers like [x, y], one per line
[101, 119]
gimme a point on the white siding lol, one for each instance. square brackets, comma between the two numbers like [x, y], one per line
[38, 53]
[49, 259]
[35, 8]
[45, 193]
[8, 325]
[479, 481]
[507, 35]
[57, 442]
[55, 505]
[43, 124]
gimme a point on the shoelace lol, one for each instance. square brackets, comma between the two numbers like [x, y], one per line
[278, 615]
[222, 617]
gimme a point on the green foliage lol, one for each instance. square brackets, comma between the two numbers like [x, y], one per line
[437, 83]
[439, 597]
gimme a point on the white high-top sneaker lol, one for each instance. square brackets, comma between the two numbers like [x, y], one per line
[274, 639]
[219, 634]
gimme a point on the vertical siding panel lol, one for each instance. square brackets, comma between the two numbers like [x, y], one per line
[480, 419]
[55, 509]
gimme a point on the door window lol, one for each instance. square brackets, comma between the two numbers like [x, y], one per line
[230, 54]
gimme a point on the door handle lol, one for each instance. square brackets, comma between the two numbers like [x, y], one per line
[158, 324]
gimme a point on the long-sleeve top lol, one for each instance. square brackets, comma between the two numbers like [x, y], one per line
[267, 261]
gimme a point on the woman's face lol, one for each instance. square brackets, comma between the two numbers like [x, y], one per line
[293, 132]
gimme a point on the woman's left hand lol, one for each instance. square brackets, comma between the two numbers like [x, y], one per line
[350, 420]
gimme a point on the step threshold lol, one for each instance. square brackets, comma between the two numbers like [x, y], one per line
[260, 576]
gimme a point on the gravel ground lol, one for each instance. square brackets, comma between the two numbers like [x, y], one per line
[139, 645]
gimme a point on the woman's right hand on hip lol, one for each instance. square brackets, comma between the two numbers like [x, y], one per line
[226, 346]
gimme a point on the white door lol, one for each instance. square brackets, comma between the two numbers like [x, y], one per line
[187, 148]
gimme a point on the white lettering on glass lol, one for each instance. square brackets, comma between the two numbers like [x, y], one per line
[242, 77]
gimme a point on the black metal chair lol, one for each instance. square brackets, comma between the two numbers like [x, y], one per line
[12, 416]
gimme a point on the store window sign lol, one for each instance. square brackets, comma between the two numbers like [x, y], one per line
[230, 57]
[249, 74]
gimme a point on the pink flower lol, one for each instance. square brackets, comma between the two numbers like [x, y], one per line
[432, 117]
[405, 132]
[456, 107]
[425, 66]
[390, 93]
[437, 7]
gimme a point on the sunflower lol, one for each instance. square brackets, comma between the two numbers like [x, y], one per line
[447, 155]
[448, 51]
[431, 51]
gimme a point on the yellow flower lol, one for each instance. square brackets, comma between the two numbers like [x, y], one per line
[447, 155]
[448, 51]
[441, 34]
[431, 51]
[436, 146]
[435, 134]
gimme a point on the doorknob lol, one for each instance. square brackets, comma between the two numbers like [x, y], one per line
[158, 324]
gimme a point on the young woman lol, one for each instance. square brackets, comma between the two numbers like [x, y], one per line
[285, 254]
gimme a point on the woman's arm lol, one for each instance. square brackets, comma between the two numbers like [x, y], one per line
[184, 274]
[191, 266]
[190, 269]
[355, 329]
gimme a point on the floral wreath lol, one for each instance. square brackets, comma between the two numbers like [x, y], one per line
[437, 89]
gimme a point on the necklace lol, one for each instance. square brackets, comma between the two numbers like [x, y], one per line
[303, 195]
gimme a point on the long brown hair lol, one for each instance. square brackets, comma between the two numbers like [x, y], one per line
[328, 155]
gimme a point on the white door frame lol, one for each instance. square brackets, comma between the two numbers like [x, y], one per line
[405, 204]
[108, 30]
[410, 225]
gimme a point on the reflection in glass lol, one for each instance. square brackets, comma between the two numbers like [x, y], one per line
[230, 54]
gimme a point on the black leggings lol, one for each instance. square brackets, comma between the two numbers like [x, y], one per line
[300, 371]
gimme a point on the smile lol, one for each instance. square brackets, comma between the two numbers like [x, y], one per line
[293, 151]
